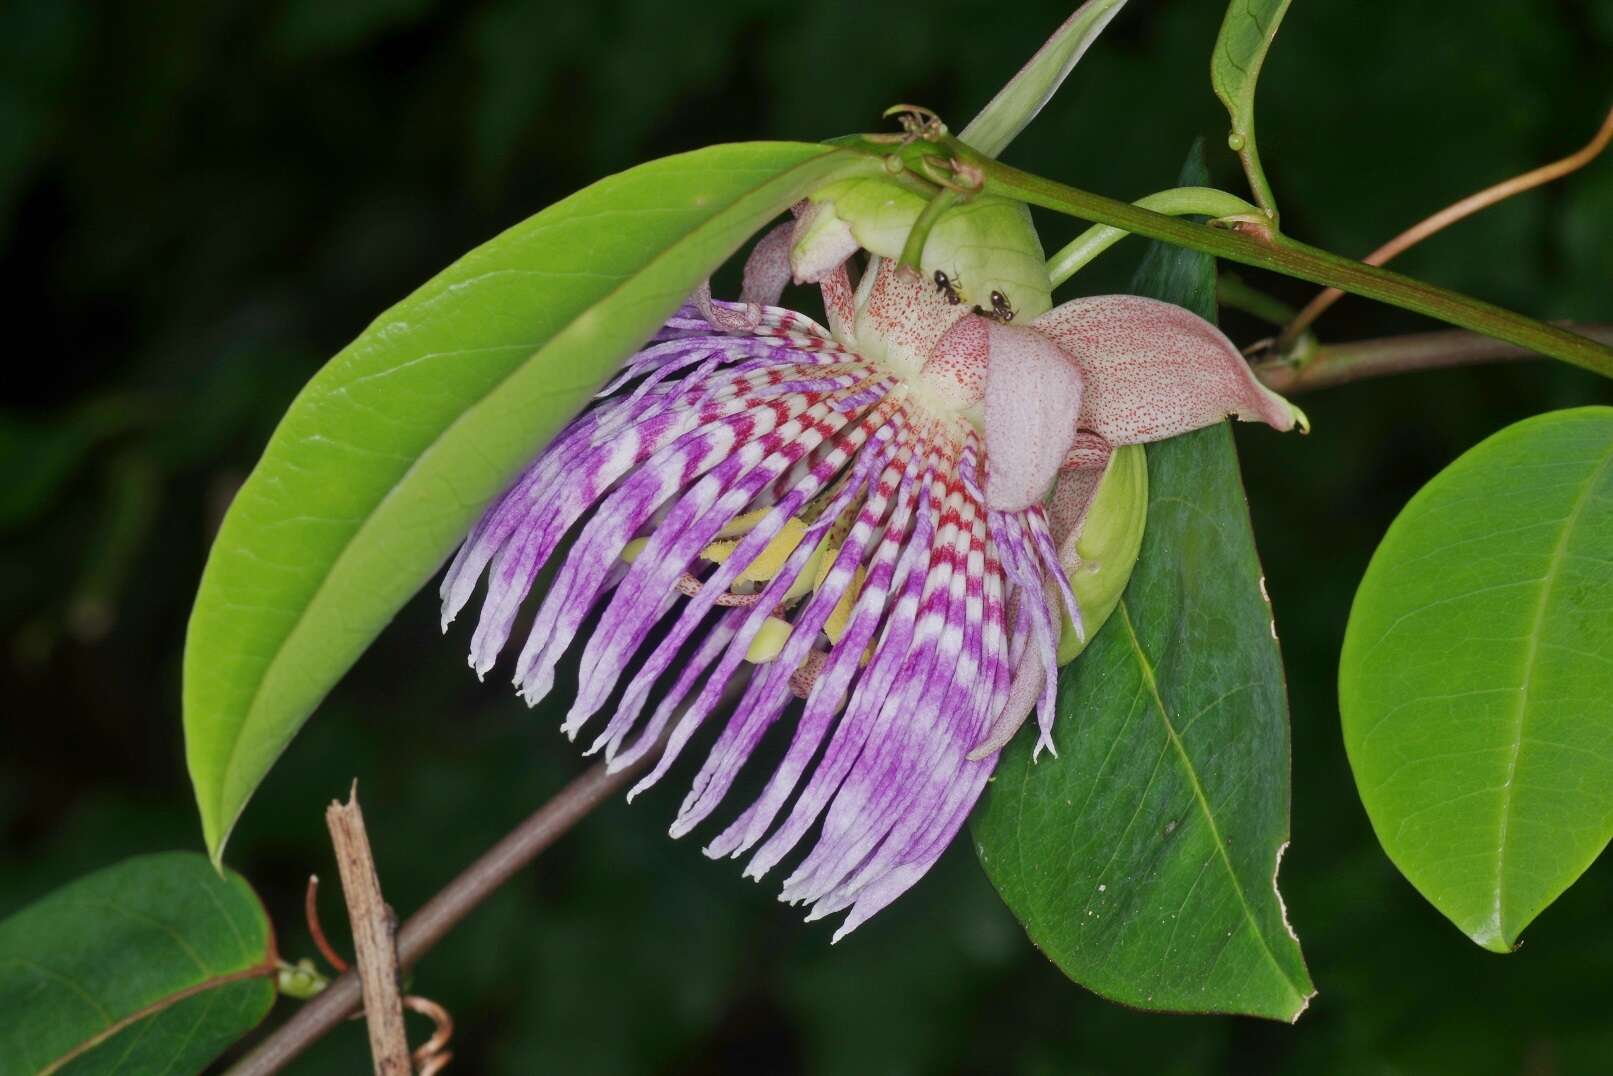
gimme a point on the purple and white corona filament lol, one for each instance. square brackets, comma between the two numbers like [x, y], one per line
[842, 528]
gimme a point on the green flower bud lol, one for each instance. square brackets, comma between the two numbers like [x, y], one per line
[1102, 554]
[981, 247]
[301, 980]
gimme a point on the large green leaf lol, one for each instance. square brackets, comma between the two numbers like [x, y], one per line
[1240, 50]
[393, 449]
[1018, 102]
[1476, 685]
[153, 965]
[1143, 859]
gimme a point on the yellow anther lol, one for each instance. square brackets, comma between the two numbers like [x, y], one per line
[742, 524]
[770, 561]
[840, 619]
[769, 641]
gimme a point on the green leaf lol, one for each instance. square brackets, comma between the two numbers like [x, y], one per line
[156, 964]
[1476, 684]
[1017, 103]
[1143, 858]
[1240, 50]
[391, 452]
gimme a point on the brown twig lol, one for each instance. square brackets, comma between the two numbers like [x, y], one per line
[1450, 215]
[1339, 364]
[431, 1056]
[374, 941]
[443, 912]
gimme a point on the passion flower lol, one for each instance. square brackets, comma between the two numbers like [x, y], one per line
[867, 530]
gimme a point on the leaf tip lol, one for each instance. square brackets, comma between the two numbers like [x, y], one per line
[1304, 1006]
[1490, 935]
[215, 832]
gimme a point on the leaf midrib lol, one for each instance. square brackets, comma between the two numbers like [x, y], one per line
[1548, 587]
[261, 970]
[1203, 802]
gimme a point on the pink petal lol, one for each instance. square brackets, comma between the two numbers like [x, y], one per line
[728, 318]
[767, 269]
[1154, 370]
[1077, 484]
[956, 370]
[1033, 395]
[840, 303]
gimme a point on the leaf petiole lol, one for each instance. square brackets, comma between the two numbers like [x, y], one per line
[1177, 202]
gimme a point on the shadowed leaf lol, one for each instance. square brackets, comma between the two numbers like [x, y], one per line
[1143, 859]
[156, 964]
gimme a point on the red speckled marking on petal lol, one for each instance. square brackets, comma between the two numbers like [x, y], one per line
[767, 269]
[904, 317]
[956, 369]
[1154, 370]
[840, 303]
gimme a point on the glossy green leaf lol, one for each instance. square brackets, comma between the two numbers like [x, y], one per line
[1143, 859]
[1476, 684]
[1240, 50]
[393, 449]
[156, 964]
[1017, 103]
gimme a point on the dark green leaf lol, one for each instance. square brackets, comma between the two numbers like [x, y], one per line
[1143, 859]
[394, 448]
[1476, 685]
[153, 965]
[1240, 50]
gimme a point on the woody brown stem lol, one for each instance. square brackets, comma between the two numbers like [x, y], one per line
[443, 912]
[1340, 364]
[374, 942]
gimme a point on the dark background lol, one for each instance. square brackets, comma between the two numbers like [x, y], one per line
[200, 202]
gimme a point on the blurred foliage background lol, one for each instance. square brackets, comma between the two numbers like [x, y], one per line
[201, 200]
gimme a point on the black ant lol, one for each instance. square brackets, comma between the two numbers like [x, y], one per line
[1000, 309]
[948, 287]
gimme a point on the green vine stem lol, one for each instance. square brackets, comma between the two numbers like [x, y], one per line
[1251, 245]
[1177, 202]
[913, 249]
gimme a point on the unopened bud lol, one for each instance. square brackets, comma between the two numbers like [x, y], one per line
[1100, 555]
[982, 253]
